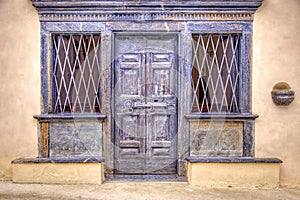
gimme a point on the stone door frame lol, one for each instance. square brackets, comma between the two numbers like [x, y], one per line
[186, 18]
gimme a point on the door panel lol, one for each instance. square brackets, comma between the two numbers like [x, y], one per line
[145, 104]
[162, 117]
[129, 122]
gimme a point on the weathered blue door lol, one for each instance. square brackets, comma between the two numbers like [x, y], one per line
[145, 108]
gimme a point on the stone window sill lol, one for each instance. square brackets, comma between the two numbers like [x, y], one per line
[78, 117]
[221, 116]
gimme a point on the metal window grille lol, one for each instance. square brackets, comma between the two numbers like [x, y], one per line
[76, 73]
[215, 73]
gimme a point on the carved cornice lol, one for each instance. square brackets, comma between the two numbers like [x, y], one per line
[145, 10]
[147, 3]
[145, 16]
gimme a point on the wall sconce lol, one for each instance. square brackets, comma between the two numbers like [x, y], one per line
[282, 95]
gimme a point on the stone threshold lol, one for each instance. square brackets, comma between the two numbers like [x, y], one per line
[147, 177]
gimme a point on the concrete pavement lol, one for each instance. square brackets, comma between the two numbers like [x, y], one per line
[139, 190]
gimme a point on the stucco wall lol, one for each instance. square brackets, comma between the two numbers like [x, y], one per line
[276, 58]
[19, 82]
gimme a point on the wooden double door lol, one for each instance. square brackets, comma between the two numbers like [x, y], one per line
[145, 103]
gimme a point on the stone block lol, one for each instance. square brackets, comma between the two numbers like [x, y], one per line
[64, 173]
[216, 138]
[76, 139]
[234, 174]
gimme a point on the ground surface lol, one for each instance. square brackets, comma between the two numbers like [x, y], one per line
[139, 190]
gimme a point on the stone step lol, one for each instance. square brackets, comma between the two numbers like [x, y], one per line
[85, 170]
[147, 177]
[233, 172]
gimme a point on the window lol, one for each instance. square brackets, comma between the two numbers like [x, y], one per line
[76, 73]
[215, 73]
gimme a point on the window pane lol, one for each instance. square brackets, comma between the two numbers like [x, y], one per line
[215, 72]
[76, 73]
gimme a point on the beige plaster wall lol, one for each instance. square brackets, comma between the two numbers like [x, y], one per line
[277, 58]
[19, 82]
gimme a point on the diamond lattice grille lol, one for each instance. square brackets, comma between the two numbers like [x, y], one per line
[76, 73]
[215, 73]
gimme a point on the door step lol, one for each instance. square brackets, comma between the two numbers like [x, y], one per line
[142, 177]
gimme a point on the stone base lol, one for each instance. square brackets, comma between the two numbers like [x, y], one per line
[234, 172]
[49, 171]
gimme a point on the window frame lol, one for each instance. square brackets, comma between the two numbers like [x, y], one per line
[47, 29]
[238, 72]
[244, 29]
[53, 54]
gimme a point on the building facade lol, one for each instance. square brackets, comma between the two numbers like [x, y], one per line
[149, 88]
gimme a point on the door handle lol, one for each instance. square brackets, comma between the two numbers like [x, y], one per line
[141, 106]
[151, 105]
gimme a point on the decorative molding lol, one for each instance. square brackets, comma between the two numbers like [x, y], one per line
[161, 4]
[129, 10]
[244, 16]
